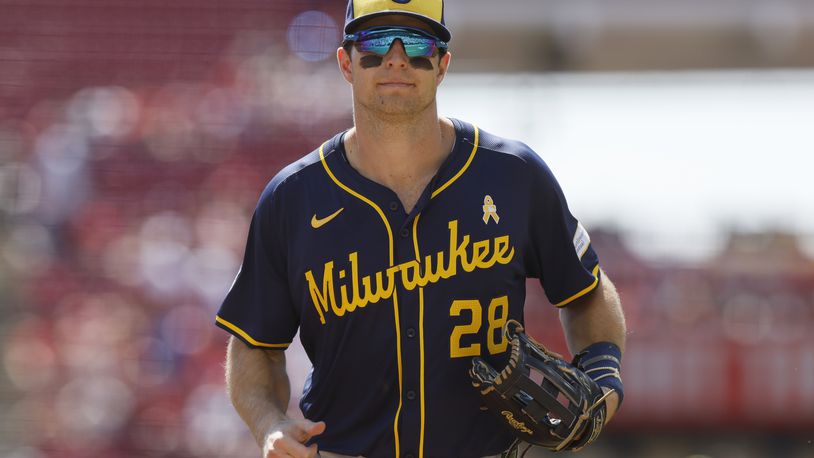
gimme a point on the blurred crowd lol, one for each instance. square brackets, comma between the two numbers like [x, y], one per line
[126, 186]
[124, 208]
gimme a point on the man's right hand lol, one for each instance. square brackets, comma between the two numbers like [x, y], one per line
[286, 439]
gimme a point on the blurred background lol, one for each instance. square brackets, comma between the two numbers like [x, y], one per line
[136, 136]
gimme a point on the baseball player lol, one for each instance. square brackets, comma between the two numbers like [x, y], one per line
[399, 249]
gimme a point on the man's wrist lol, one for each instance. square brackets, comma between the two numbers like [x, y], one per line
[611, 403]
[601, 361]
[267, 425]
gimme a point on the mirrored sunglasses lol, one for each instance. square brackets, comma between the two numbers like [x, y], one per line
[379, 40]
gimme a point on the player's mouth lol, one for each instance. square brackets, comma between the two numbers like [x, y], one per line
[396, 84]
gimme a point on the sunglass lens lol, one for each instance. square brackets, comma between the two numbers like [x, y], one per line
[377, 45]
[414, 46]
[419, 47]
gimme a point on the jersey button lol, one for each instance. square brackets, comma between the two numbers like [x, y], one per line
[410, 333]
[410, 395]
[405, 232]
[394, 206]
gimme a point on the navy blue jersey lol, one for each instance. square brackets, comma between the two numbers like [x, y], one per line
[391, 307]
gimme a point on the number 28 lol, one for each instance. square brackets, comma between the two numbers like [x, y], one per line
[497, 315]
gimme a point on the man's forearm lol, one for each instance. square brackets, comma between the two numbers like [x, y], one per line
[258, 386]
[598, 317]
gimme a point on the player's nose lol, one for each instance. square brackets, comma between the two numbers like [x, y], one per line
[396, 56]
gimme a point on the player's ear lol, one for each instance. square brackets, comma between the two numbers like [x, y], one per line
[344, 61]
[443, 66]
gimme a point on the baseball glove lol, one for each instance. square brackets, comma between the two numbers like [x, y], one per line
[544, 400]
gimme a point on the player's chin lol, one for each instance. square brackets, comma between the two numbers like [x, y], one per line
[395, 103]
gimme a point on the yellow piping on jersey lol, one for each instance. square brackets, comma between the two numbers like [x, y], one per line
[395, 297]
[415, 237]
[584, 291]
[463, 169]
[248, 338]
[420, 340]
[358, 196]
[398, 358]
[421, 358]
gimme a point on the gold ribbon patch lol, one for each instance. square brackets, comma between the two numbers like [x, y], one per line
[490, 210]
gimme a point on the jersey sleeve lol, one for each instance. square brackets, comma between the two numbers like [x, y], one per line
[258, 309]
[560, 252]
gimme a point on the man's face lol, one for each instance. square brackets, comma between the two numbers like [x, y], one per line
[394, 84]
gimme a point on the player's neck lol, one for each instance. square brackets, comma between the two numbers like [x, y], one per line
[397, 152]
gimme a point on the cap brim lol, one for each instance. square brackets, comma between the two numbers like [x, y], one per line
[440, 31]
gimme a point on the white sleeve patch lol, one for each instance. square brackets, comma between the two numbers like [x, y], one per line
[581, 240]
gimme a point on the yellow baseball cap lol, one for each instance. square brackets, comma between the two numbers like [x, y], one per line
[429, 11]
